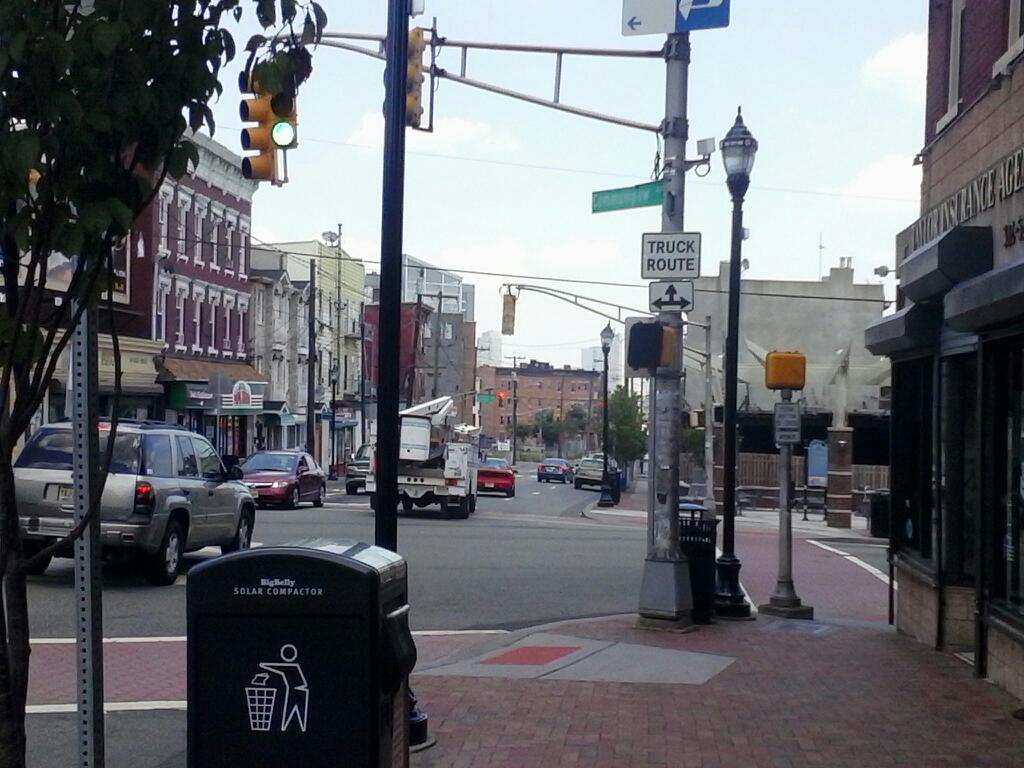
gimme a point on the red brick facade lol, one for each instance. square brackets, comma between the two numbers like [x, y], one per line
[541, 387]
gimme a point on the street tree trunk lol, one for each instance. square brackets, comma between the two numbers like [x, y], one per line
[14, 628]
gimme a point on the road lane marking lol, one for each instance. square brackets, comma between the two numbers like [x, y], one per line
[884, 578]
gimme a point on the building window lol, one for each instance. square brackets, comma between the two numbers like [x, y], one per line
[240, 345]
[165, 205]
[243, 248]
[957, 14]
[212, 338]
[1007, 534]
[227, 327]
[197, 317]
[182, 215]
[912, 419]
[160, 329]
[214, 243]
[258, 297]
[959, 468]
[179, 305]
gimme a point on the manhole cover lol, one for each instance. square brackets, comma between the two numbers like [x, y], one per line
[800, 627]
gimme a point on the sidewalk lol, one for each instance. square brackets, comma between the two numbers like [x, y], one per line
[763, 694]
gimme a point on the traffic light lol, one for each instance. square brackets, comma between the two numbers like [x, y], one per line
[276, 120]
[415, 78]
[651, 345]
[502, 396]
[785, 370]
[508, 315]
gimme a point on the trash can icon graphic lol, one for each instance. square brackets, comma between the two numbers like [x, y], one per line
[261, 698]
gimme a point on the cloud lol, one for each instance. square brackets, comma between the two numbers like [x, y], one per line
[450, 133]
[887, 179]
[902, 64]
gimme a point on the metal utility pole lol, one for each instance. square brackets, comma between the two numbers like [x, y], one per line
[709, 425]
[311, 363]
[437, 346]
[388, 345]
[665, 592]
[515, 418]
[88, 565]
[362, 373]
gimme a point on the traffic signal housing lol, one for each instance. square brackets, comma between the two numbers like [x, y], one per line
[651, 345]
[785, 370]
[276, 129]
[508, 315]
[415, 78]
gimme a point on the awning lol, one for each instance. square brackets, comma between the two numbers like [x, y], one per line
[276, 412]
[939, 266]
[996, 298]
[913, 327]
[197, 370]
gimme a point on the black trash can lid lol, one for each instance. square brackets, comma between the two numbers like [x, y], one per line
[384, 561]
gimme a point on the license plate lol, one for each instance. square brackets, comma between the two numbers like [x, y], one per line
[65, 493]
[550, 469]
[488, 485]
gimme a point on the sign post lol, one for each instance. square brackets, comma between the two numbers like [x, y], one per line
[784, 601]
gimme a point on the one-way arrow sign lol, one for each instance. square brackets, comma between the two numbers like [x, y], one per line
[671, 296]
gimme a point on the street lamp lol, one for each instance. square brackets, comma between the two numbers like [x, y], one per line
[606, 500]
[333, 474]
[738, 148]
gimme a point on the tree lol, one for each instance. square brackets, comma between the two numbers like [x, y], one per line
[626, 435]
[96, 99]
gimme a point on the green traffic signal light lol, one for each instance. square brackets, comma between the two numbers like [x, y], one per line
[283, 134]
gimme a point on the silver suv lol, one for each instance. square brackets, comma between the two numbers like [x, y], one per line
[167, 493]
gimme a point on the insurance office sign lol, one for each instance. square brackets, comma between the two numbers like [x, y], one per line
[986, 192]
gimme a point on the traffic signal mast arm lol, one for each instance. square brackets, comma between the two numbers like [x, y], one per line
[437, 43]
[575, 299]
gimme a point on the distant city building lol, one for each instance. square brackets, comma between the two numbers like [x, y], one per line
[592, 359]
[540, 387]
[489, 349]
[423, 281]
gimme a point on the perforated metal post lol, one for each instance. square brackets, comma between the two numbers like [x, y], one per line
[88, 575]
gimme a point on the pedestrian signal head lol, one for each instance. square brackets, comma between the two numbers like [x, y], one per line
[785, 370]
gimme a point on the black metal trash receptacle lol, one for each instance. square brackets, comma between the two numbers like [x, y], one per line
[697, 540]
[879, 511]
[299, 655]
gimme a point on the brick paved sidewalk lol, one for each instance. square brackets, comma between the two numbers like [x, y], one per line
[796, 694]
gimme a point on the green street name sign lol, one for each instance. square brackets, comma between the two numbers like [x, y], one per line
[485, 397]
[640, 196]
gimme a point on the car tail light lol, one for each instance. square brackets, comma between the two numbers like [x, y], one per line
[145, 498]
[452, 481]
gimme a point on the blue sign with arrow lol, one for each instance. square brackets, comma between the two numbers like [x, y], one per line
[662, 17]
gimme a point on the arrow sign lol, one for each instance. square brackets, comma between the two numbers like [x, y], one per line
[671, 296]
[633, 23]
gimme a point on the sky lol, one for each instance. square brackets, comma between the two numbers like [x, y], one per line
[833, 92]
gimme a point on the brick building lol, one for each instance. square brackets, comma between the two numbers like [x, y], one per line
[540, 388]
[957, 350]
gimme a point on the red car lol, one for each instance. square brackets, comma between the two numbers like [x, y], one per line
[284, 478]
[495, 475]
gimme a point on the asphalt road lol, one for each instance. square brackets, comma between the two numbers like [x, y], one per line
[516, 562]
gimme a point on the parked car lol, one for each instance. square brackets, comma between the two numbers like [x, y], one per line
[285, 478]
[554, 470]
[591, 472]
[495, 475]
[167, 493]
[358, 469]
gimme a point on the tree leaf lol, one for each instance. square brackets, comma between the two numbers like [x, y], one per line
[18, 44]
[255, 43]
[229, 45]
[121, 214]
[237, 13]
[106, 35]
[21, 153]
[321, 19]
[266, 12]
[308, 31]
[288, 11]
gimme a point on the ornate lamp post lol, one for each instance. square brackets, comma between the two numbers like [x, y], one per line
[607, 499]
[738, 148]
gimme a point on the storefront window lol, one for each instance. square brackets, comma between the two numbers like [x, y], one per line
[912, 463]
[959, 466]
[1009, 525]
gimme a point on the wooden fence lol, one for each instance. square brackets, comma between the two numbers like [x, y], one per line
[761, 470]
